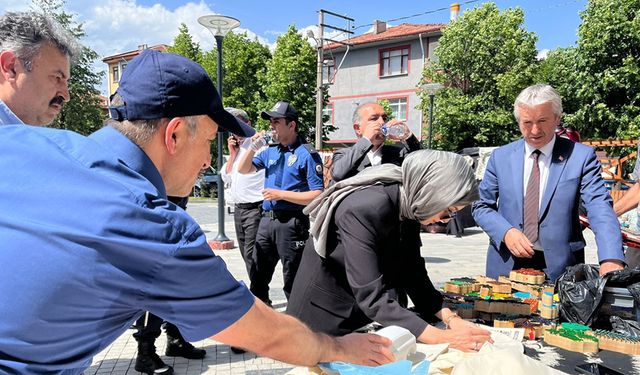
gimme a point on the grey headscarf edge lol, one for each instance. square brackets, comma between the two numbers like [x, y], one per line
[431, 182]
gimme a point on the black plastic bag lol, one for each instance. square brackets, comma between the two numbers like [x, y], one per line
[581, 290]
[625, 327]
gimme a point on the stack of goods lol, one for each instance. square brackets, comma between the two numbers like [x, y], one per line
[527, 276]
[617, 342]
[548, 308]
[580, 338]
[573, 337]
[486, 299]
[462, 285]
[534, 326]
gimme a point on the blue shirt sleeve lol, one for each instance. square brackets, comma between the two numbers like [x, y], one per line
[194, 290]
[260, 160]
[314, 172]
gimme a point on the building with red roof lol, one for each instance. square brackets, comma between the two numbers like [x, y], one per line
[386, 63]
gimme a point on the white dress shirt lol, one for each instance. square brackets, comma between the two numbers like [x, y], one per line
[544, 162]
[245, 188]
[375, 157]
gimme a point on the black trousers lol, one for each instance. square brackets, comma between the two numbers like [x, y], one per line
[246, 218]
[150, 331]
[279, 238]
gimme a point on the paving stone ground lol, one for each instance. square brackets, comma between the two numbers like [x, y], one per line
[446, 256]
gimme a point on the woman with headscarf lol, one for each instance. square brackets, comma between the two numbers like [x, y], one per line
[364, 254]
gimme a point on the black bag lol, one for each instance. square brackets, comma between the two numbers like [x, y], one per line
[581, 290]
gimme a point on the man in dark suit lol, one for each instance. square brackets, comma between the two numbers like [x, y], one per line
[370, 149]
[531, 191]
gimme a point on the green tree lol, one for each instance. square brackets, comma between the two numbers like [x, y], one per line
[83, 113]
[244, 65]
[608, 70]
[291, 76]
[559, 69]
[485, 58]
[184, 45]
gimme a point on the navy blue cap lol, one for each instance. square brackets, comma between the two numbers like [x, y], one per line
[157, 84]
[280, 110]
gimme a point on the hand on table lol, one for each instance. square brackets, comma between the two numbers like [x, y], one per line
[365, 349]
[466, 336]
[518, 244]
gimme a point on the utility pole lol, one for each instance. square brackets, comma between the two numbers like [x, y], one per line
[319, 85]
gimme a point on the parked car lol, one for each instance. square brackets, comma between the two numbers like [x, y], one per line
[207, 184]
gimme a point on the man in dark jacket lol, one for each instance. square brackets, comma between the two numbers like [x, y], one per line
[370, 149]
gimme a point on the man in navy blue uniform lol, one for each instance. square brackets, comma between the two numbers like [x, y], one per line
[85, 254]
[293, 178]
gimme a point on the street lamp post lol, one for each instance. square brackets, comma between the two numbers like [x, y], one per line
[219, 27]
[431, 89]
[319, 92]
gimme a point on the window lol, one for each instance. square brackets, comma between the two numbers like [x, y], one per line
[328, 71]
[116, 74]
[399, 108]
[327, 114]
[394, 61]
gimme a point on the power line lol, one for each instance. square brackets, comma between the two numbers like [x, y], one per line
[416, 15]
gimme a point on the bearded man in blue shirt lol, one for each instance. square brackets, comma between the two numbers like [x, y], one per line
[87, 252]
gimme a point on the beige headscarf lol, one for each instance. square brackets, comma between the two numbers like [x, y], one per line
[431, 181]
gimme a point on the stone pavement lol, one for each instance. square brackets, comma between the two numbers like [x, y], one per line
[446, 257]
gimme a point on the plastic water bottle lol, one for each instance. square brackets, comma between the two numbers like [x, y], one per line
[259, 143]
[396, 130]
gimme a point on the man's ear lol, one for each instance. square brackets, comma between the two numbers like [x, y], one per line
[173, 133]
[356, 128]
[8, 65]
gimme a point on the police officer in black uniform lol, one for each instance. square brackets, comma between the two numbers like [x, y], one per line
[293, 178]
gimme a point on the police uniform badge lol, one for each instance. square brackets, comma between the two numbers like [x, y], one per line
[292, 159]
[319, 168]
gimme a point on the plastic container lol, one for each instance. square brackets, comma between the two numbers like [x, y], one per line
[396, 130]
[259, 143]
[404, 343]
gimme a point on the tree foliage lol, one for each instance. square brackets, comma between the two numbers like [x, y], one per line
[559, 70]
[184, 45]
[244, 65]
[608, 70]
[83, 113]
[485, 58]
[291, 76]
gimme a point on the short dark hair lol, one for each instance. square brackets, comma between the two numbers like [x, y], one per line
[24, 33]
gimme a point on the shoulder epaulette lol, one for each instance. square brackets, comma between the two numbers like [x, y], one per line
[310, 148]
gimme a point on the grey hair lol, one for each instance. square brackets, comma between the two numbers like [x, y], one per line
[140, 132]
[239, 113]
[433, 181]
[536, 95]
[24, 33]
[356, 114]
